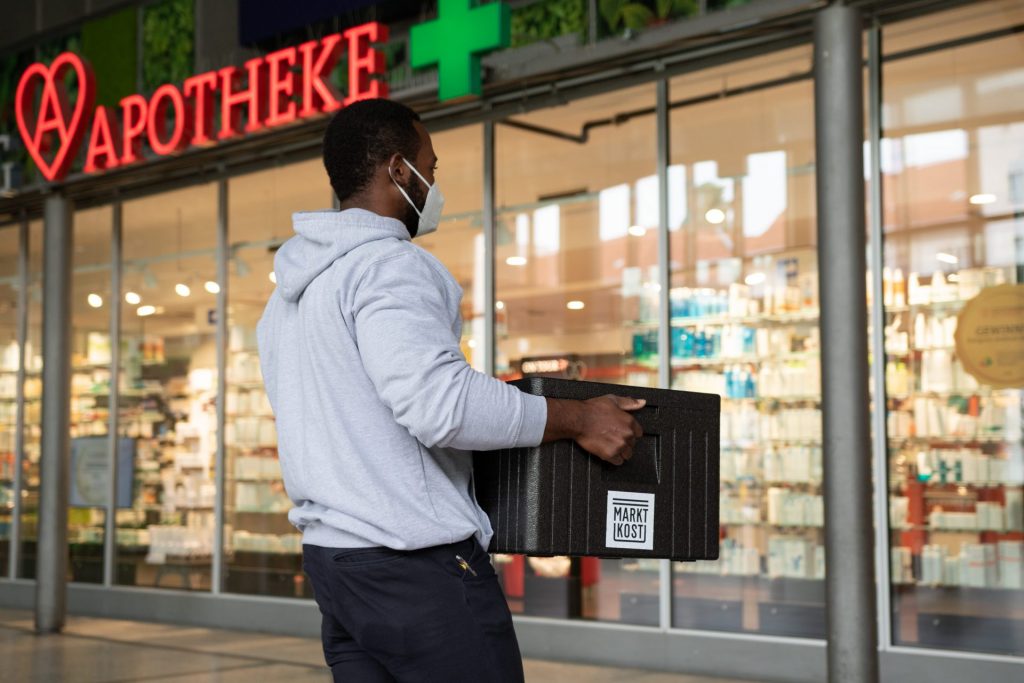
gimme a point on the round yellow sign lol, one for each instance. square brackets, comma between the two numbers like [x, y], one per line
[990, 336]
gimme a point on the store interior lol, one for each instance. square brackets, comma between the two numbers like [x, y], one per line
[577, 295]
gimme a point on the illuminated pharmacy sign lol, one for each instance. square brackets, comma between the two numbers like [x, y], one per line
[267, 92]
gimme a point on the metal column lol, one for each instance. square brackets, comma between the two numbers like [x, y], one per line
[664, 311]
[489, 250]
[14, 554]
[52, 563]
[217, 572]
[113, 419]
[878, 413]
[849, 547]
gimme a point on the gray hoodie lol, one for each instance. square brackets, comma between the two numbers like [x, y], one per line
[377, 409]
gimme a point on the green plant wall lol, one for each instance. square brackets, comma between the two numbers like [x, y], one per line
[168, 41]
[110, 44]
[548, 19]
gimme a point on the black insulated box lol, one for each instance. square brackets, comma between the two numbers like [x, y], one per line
[557, 499]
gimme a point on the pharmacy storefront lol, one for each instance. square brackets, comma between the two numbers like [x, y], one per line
[176, 197]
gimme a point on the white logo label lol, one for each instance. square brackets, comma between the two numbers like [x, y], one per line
[630, 520]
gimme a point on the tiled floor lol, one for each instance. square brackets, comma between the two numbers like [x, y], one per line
[109, 651]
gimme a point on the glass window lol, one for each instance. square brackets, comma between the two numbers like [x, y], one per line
[263, 551]
[953, 165]
[90, 392]
[576, 281]
[744, 325]
[9, 360]
[168, 386]
[33, 405]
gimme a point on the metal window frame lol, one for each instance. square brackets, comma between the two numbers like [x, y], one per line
[14, 554]
[114, 415]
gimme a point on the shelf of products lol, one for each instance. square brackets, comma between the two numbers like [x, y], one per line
[956, 503]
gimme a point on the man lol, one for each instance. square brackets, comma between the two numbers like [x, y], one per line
[378, 413]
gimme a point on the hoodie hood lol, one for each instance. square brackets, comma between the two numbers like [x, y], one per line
[321, 238]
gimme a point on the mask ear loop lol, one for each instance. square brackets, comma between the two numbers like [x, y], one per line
[402, 189]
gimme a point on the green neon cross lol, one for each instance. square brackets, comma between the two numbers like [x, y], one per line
[456, 39]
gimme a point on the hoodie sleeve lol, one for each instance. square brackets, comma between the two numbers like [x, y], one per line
[404, 329]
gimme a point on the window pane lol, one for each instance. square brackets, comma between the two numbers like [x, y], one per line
[576, 277]
[263, 551]
[33, 405]
[745, 326]
[9, 351]
[953, 164]
[168, 389]
[90, 392]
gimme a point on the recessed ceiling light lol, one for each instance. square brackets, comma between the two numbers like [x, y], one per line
[715, 216]
[947, 258]
[95, 300]
[143, 311]
[182, 289]
[499, 305]
[212, 287]
[637, 231]
[132, 298]
[575, 305]
[273, 277]
[983, 198]
[471, 343]
[516, 261]
[754, 279]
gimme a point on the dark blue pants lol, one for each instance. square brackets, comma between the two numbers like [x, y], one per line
[411, 616]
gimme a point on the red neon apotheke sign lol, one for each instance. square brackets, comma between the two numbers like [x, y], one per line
[271, 91]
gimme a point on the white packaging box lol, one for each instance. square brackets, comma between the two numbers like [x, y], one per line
[901, 565]
[978, 565]
[776, 556]
[899, 509]
[799, 560]
[933, 561]
[776, 500]
[1011, 564]
[819, 562]
[1014, 509]
[951, 571]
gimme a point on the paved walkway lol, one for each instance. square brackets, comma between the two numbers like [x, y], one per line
[110, 651]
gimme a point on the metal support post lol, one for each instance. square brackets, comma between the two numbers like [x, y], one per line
[217, 572]
[489, 250]
[851, 617]
[52, 563]
[113, 418]
[877, 260]
[664, 311]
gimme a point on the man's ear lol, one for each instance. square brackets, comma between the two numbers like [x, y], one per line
[396, 167]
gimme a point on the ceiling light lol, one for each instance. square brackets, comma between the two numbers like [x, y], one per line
[273, 277]
[516, 260]
[947, 258]
[575, 305]
[182, 289]
[212, 287]
[95, 300]
[715, 216]
[499, 305]
[983, 198]
[143, 311]
[638, 231]
[132, 298]
[471, 343]
[755, 279]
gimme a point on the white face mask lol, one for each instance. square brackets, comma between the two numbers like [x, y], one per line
[430, 216]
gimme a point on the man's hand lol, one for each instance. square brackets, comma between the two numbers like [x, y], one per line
[603, 426]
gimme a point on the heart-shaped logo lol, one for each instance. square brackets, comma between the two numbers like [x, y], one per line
[56, 126]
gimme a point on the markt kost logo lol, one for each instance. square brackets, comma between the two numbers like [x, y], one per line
[270, 91]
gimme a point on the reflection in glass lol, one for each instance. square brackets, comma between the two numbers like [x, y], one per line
[90, 392]
[33, 405]
[9, 361]
[744, 325]
[577, 297]
[168, 385]
[954, 267]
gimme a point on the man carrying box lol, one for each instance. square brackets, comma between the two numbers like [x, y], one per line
[378, 413]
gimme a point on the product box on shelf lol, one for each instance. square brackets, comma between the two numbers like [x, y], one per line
[556, 499]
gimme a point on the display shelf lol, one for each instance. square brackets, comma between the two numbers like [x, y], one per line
[743, 360]
[815, 398]
[760, 443]
[936, 306]
[957, 440]
[966, 484]
[966, 393]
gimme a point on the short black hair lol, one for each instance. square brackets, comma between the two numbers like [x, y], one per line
[361, 137]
